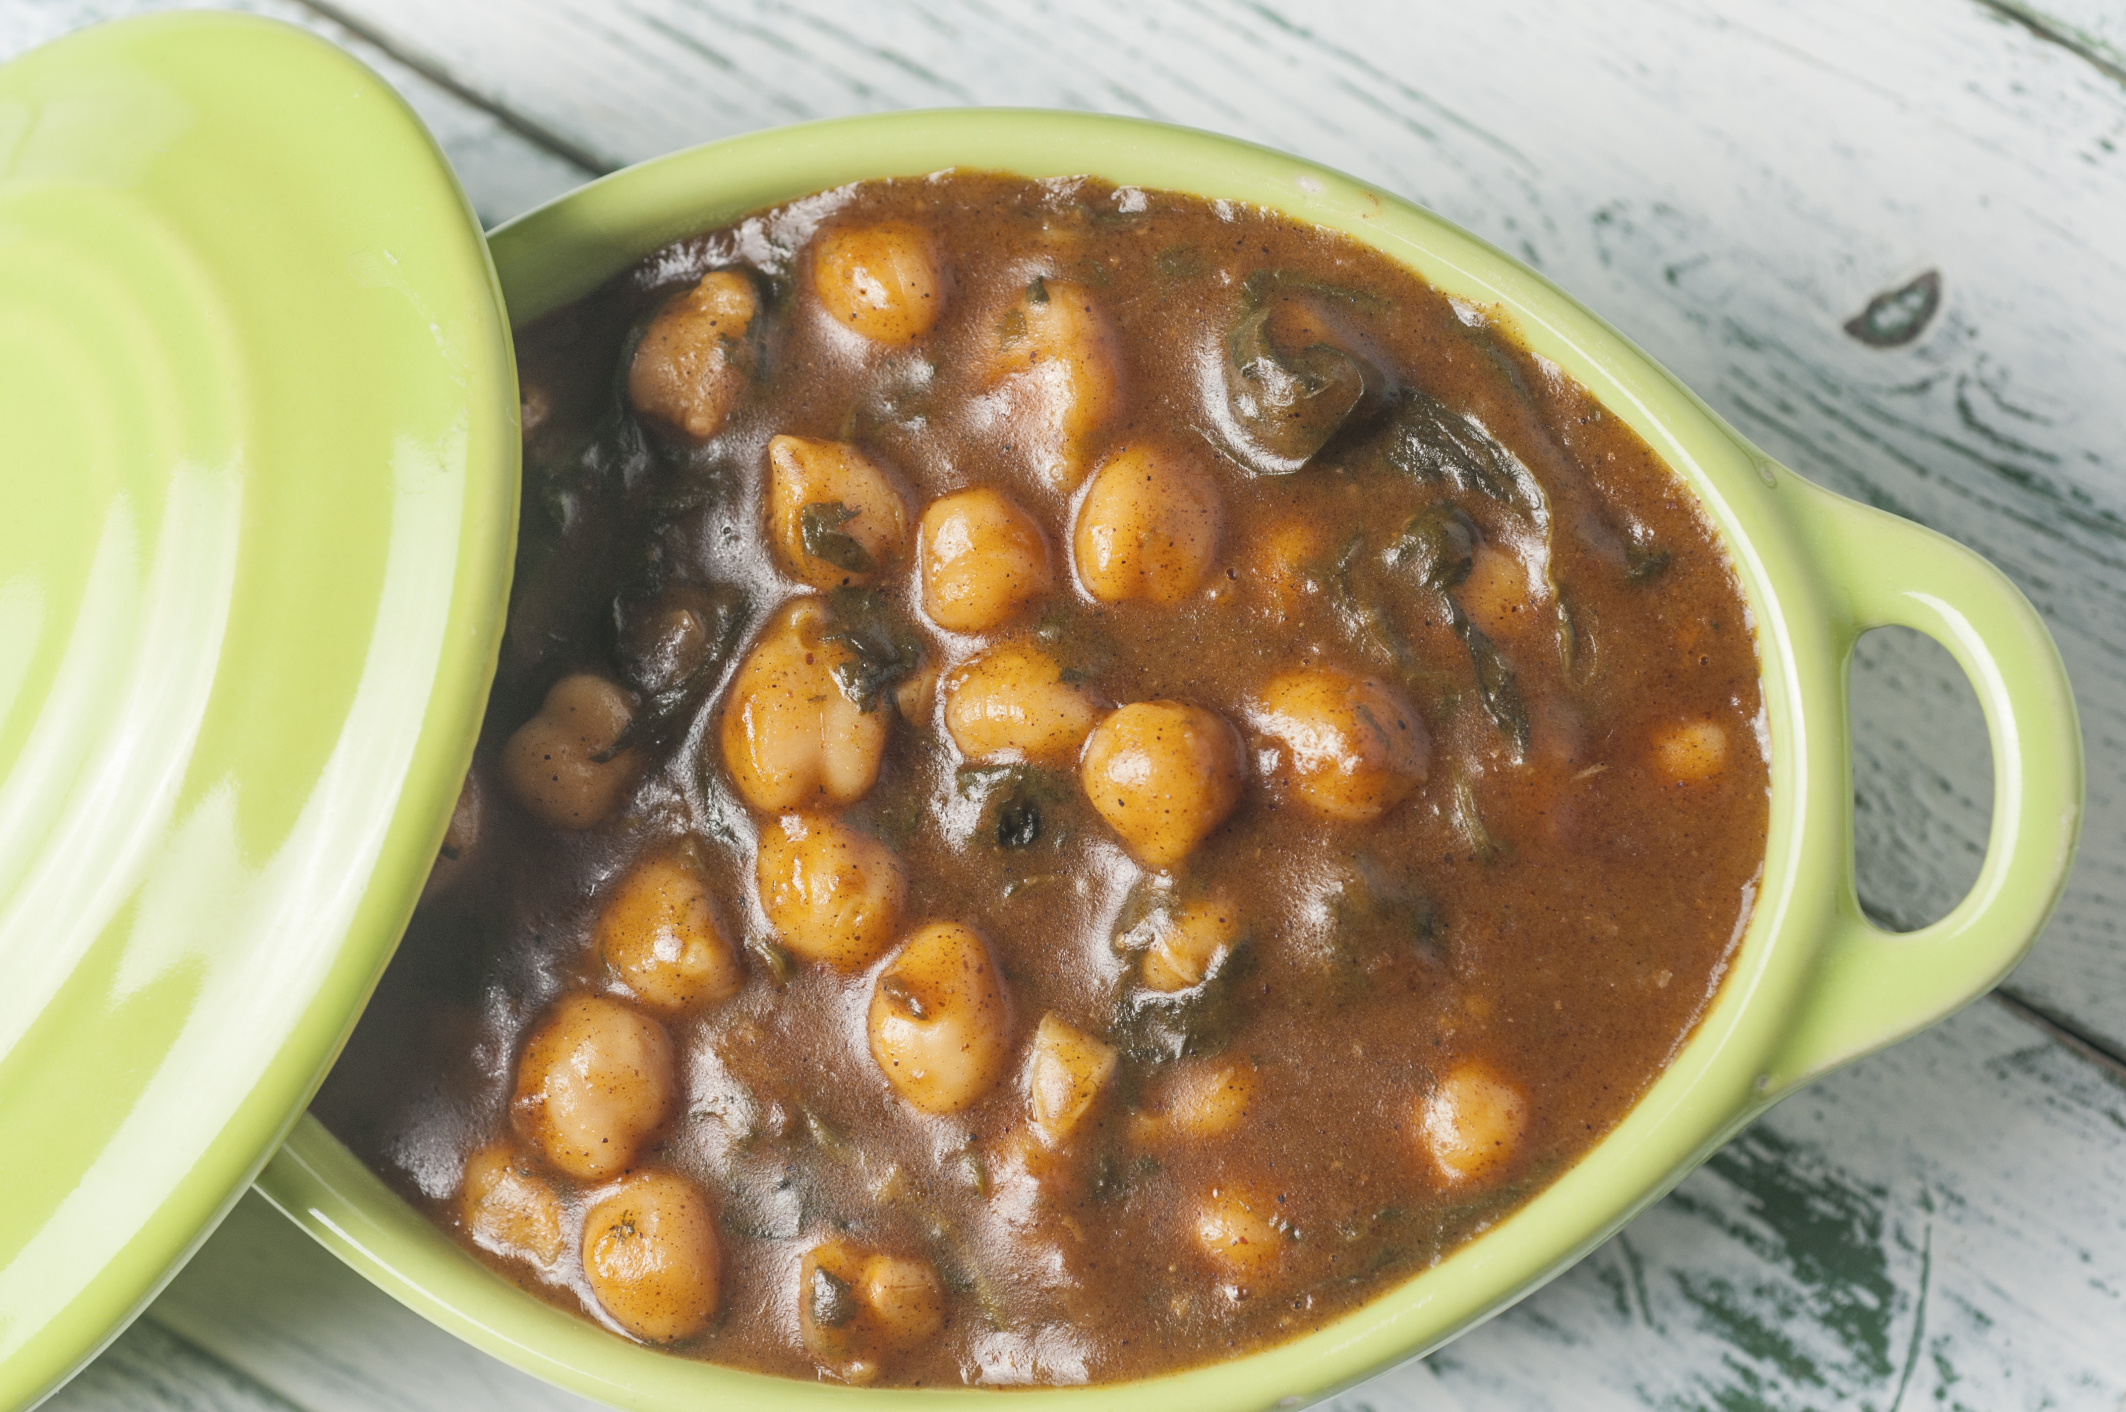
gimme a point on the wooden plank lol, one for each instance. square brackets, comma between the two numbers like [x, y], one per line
[1938, 1226]
[503, 173]
[1728, 183]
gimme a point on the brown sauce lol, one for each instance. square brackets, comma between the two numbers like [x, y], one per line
[1440, 945]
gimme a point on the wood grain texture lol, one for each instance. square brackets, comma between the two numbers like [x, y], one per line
[1942, 1225]
[1729, 183]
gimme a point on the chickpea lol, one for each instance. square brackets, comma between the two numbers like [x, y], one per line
[461, 838]
[1472, 1124]
[792, 738]
[915, 693]
[1498, 595]
[1237, 1228]
[1149, 526]
[832, 894]
[939, 1020]
[595, 1079]
[1690, 752]
[835, 515]
[692, 365]
[1187, 942]
[883, 281]
[1354, 747]
[1210, 1100]
[1164, 775]
[660, 934]
[652, 1258]
[1202, 1100]
[983, 559]
[1059, 365]
[553, 763]
[1065, 1075]
[509, 1208]
[1013, 704]
[904, 1298]
[1283, 562]
[1034, 1171]
[856, 1307]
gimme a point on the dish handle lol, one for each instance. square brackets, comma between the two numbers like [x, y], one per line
[1873, 987]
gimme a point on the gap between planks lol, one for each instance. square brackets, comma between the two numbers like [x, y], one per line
[530, 129]
[2096, 1052]
[2053, 31]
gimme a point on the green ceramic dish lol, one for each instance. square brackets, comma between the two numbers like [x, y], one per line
[1814, 985]
[258, 458]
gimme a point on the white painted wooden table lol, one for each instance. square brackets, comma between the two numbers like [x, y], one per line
[1730, 182]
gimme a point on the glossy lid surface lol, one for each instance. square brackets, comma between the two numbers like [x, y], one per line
[258, 457]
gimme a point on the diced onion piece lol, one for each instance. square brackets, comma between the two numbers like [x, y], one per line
[1235, 1226]
[1187, 941]
[1065, 1076]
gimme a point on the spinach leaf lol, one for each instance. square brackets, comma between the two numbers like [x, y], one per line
[830, 1300]
[1150, 1025]
[1178, 262]
[820, 523]
[1428, 441]
[1469, 822]
[1495, 684]
[771, 955]
[1260, 285]
[958, 1264]
[1438, 547]
[1381, 916]
[1363, 609]
[1644, 564]
[883, 648]
[1019, 803]
[1284, 406]
[673, 649]
[1018, 823]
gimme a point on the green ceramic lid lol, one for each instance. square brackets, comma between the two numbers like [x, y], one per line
[258, 468]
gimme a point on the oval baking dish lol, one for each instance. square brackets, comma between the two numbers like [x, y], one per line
[1812, 985]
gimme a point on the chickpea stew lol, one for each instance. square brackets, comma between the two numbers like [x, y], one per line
[1081, 780]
